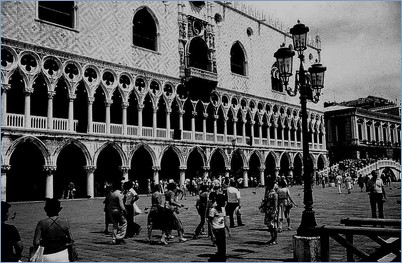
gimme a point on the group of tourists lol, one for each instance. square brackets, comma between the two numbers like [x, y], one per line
[276, 207]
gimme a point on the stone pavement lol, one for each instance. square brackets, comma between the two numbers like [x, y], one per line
[246, 243]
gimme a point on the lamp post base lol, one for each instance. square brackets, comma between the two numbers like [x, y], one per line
[308, 224]
[306, 249]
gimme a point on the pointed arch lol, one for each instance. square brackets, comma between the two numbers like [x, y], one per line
[77, 143]
[115, 146]
[238, 59]
[201, 152]
[222, 153]
[38, 143]
[147, 148]
[145, 29]
[176, 150]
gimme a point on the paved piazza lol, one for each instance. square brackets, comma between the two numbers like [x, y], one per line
[246, 243]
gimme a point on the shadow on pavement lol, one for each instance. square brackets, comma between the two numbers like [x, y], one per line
[260, 243]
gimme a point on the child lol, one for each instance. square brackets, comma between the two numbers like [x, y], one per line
[217, 217]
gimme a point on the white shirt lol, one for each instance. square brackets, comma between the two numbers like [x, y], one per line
[233, 194]
[218, 218]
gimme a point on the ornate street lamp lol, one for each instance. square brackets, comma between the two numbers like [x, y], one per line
[309, 84]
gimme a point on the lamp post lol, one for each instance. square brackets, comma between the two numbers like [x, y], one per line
[309, 84]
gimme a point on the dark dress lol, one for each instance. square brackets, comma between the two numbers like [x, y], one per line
[9, 237]
[157, 213]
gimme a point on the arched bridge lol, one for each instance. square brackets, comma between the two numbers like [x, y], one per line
[380, 166]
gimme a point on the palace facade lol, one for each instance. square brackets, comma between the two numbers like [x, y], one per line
[363, 128]
[93, 91]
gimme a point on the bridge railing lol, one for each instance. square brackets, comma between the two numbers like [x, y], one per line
[378, 165]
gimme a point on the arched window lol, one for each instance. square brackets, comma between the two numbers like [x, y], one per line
[238, 63]
[275, 79]
[58, 12]
[144, 30]
[198, 54]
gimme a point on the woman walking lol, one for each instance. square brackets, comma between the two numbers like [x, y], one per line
[157, 215]
[270, 208]
[172, 208]
[53, 233]
[285, 203]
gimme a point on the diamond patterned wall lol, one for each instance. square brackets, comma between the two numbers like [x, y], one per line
[104, 32]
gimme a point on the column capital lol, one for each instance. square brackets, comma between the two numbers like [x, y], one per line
[206, 168]
[261, 169]
[50, 94]
[140, 107]
[90, 168]
[28, 91]
[125, 105]
[156, 168]
[246, 169]
[91, 100]
[72, 97]
[5, 87]
[49, 168]
[124, 169]
[205, 115]
[108, 103]
[216, 117]
[235, 119]
[5, 168]
[182, 168]
[193, 114]
[181, 112]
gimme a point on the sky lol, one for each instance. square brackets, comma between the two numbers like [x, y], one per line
[361, 44]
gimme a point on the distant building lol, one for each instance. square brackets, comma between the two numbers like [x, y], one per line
[93, 92]
[363, 128]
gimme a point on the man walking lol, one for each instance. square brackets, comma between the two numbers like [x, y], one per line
[233, 195]
[377, 195]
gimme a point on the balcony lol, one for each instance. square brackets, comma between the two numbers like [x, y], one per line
[201, 74]
[40, 123]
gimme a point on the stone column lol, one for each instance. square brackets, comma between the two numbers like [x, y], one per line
[252, 131]
[193, 114]
[49, 171]
[27, 107]
[364, 130]
[227, 172]
[290, 173]
[216, 117]
[289, 137]
[90, 103]
[50, 96]
[235, 128]
[108, 103]
[245, 177]
[140, 107]
[4, 171]
[182, 175]
[154, 121]
[275, 134]
[225, 129]
[124, 107]
[168, 123]
[4, 89]
[262, 176]
[269, 134]
[124, 171]
[260, 131]
[206, 171]
[156, 174]
[89, 169]
[276, 172]
[243, 127]
[181, 113]
[204, 126]
[71, 112]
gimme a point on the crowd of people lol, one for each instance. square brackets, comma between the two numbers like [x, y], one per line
[218, 205]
